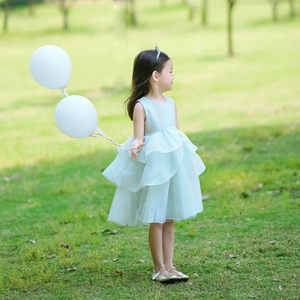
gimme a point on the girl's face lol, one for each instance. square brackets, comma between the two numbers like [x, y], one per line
[165, 78]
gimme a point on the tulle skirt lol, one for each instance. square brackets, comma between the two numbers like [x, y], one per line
[161, 184]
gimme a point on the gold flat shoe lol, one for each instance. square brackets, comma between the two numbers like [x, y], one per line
[180, 276]
[164, 278]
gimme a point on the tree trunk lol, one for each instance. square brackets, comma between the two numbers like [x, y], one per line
[65, 12]
[292, 8]
[120, 43]
[6, 8]
[204, 12]
[230, 4]
[162, 4]
[120, 19]
[274, 4]
[191, 10]
[130, 12]
[30, 7]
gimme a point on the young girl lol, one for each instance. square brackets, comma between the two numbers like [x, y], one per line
[158, 182]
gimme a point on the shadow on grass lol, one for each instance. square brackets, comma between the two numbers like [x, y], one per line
[73, 30]
[269, 22]
[58, 32]
[237, 159]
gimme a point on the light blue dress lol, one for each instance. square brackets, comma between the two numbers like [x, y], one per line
[162, 183]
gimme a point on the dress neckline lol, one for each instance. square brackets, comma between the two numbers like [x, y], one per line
[157, 102]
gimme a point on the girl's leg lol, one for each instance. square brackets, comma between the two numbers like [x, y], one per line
[155, 243]
[168, 243]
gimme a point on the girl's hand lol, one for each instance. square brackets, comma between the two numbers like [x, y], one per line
[136, 146]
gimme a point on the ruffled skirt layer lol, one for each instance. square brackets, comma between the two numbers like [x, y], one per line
[161, 184]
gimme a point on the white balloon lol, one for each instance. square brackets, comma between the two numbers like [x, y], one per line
[76, 116]
[51, 67]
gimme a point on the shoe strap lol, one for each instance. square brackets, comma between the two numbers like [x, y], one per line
[178, 273]
[158, 273]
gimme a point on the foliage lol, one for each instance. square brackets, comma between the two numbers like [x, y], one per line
[15, 3]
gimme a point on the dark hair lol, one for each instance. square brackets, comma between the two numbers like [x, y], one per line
[144, 65]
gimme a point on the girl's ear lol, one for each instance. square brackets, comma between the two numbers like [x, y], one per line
[155, 75]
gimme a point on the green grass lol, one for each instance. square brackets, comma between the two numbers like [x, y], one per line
[242, 113]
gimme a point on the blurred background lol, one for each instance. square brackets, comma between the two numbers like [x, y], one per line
[236, 63]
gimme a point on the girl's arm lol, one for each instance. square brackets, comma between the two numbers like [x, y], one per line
[138, 129]
[176, 118]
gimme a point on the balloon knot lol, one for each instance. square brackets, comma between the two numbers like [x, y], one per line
[63, 92]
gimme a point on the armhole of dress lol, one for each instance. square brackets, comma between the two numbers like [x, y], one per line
[173, 103]
[174, 107]
[144, 109]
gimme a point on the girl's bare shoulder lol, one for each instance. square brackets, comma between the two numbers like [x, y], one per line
[139, 109]
[138, 106]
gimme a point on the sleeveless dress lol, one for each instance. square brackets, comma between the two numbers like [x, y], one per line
[162, 183]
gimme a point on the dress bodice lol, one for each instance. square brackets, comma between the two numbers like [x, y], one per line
[159, 116]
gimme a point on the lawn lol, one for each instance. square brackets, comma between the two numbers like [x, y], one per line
[242, 112]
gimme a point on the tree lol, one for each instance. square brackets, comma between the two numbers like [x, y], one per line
[230, 5]
[292, 8]
[30, 7]
[65, 12]
[191, 10]
[274, 4]
[204, 12]
[131, 12]
[6, 9]
[120, 41]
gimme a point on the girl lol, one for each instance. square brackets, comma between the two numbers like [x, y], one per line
[158, 182]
